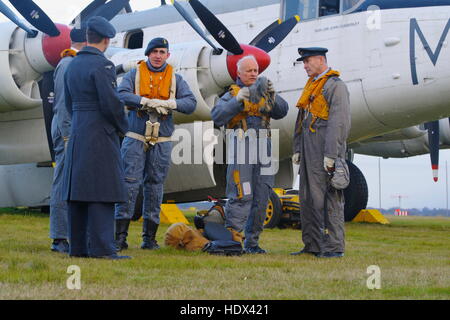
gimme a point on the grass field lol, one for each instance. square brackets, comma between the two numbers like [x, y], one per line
[413, 254]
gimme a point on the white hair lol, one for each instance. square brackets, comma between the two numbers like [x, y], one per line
[249, 57]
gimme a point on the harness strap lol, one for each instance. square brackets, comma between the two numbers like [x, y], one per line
[141, 138]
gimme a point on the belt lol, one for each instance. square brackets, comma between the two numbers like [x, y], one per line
[141, 138]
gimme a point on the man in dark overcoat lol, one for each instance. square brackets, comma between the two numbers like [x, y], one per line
[93, 176]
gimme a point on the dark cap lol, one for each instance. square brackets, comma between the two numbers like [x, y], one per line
[78, 34]
[156, 43]
[312, 51]
[101, 26]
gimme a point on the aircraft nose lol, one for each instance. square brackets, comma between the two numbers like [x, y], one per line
[261, 57]
[53, 46]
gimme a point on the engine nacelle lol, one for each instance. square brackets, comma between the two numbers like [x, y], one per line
[22, 61]
[406, 147]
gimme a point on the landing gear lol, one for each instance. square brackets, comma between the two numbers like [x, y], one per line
[283, 209]
[356, 194]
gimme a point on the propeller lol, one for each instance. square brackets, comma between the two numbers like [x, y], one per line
[216, 28]
[11, 16]
[263, 33]
[433, 143]
[36, 16]
[110, 9]
[269, 38]
[263, 43]
[107, 10]
[86, 12]
[195, 26]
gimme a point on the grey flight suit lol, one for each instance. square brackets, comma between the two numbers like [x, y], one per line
[329, 140]
[149, 167]
[250, 210]
[60, 130]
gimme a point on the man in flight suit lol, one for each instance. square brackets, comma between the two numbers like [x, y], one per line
[248, 187]
[151, 92]
[60, 136]
[321, 131]
[93, 173]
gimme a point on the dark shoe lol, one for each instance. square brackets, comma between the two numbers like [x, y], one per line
[112, 257]
[122, 233]
[254, 250]
[149, 229]
[331, 255]
[303, 251]
[60, 245]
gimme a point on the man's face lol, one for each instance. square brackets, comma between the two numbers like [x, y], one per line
[248, 73]
[158, 57]
[314, 65]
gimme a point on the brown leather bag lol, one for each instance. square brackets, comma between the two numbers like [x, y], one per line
[183, 237]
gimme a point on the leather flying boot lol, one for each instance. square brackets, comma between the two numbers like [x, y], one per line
[122, 233]
[149, 229]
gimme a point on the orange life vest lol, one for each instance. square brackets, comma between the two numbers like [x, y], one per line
[154, 85]
[250, 109]
[313, 100]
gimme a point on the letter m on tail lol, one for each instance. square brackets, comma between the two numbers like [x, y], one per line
[414, 27]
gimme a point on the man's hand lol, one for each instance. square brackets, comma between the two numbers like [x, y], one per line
[328, 164]
[160, 106]
[243, 94]
[296, 158]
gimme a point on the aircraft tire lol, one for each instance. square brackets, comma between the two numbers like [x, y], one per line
[273, 211]
[356, 194]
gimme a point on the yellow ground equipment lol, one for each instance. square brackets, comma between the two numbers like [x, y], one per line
[170, 213]
[283, 209]
[370, 216]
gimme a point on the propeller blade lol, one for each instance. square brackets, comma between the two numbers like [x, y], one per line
[263, 33]
[111, 9]
[11, 16]
[275, 35]
[433, 143]
[219, 32]
[193, 24]
[36, 16]
[86, 12]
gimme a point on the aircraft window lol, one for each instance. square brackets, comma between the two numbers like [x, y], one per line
[306, 9]
[134, 39]
[328, 7]
[348, 4]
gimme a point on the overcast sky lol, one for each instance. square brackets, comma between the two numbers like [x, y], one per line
[409, 177]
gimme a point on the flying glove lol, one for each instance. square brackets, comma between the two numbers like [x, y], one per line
[243, 94]
[328, 164]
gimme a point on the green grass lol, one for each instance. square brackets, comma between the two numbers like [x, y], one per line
[412, 252]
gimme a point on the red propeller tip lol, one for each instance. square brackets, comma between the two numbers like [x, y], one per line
[435, 173]
[261, 56]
